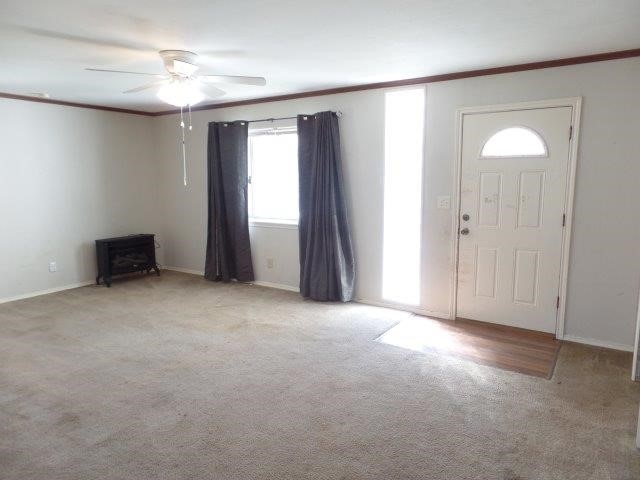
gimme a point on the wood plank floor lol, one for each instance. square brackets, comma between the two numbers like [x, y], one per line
[509, 348]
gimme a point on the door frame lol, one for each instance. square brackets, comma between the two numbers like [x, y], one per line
[575, 103]
[635, 374]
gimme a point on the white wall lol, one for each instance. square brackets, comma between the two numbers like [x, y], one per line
[604, 261]
[280, 244]
[69, 176]
[72, 175]
[185, 211]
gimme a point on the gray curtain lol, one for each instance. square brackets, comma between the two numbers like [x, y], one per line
[327, 269]
[228, 247]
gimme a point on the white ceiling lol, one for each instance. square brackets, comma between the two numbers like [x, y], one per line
[298, 45]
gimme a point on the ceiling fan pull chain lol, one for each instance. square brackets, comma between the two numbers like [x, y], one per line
[184, 155]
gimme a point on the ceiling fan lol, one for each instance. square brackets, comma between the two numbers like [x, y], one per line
[182, 86]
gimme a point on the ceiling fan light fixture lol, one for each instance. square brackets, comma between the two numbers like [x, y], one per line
[181, 93]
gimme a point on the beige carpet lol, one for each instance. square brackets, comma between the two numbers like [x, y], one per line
[178, 378]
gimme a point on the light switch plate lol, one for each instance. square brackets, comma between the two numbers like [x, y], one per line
[53, 267]
[444, 202]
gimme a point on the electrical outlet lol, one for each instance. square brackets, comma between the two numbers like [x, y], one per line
[53, 267]
[444, 202]
[269, 262]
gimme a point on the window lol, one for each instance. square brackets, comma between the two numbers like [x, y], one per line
[403, 153]
[515, 142]
[273, 175]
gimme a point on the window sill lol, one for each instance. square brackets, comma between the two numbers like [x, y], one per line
[285, 224]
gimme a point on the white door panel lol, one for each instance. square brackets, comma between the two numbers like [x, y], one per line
[509, 262]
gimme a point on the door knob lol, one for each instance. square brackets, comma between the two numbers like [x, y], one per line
[464, 231]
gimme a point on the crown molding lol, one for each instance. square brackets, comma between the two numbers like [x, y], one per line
[51, 101]
[521, 67]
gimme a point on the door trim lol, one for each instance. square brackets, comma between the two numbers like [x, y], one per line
[635, 375]
[575, 103]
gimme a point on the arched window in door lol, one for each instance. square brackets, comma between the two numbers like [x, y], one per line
[514, 142]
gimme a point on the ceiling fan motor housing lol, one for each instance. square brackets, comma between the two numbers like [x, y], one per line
[180, 62]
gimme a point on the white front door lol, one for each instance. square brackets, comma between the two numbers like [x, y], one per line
[512, 199]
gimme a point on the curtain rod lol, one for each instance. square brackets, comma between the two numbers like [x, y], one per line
[338, 114]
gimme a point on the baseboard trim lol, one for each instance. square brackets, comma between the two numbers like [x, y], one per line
[184, 270]
[598, 343]
[364, 301]
[38, 293]
[279, 286]
[259, 283]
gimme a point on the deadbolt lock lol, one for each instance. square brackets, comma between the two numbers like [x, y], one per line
[466, 217]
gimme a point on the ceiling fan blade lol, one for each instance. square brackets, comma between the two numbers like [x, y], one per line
[211, 91]
[124, 71]
[146, 87]
[237, 79]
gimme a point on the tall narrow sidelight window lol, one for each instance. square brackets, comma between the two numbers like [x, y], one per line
[404, 143]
